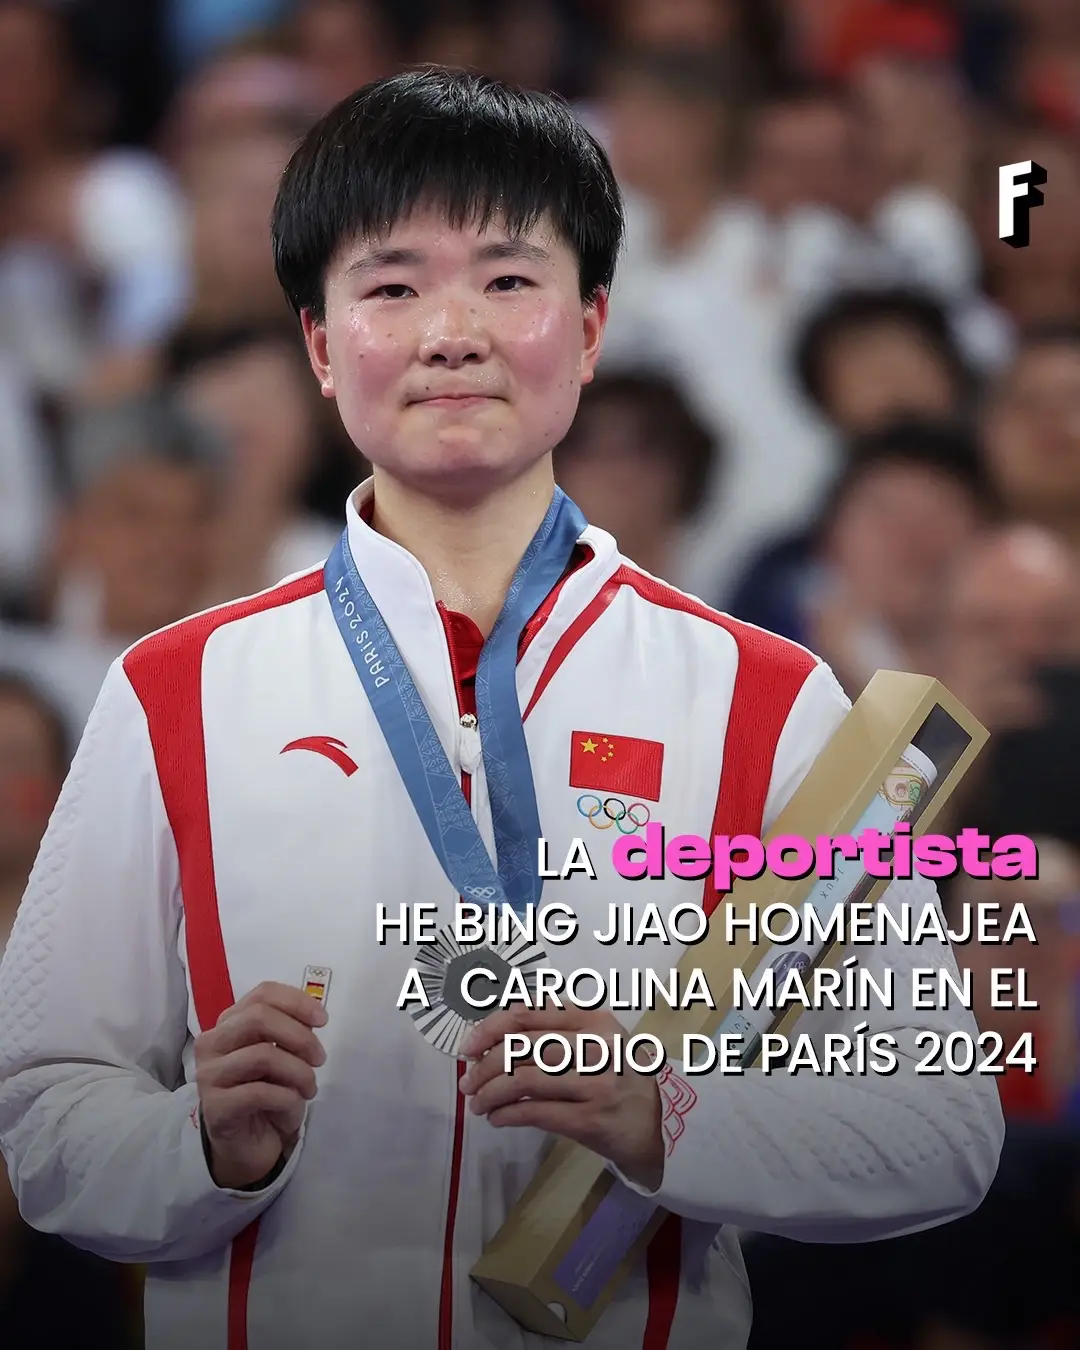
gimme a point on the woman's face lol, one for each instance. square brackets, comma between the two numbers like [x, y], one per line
[881, 372]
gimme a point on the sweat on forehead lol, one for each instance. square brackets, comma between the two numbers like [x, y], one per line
[480, 153]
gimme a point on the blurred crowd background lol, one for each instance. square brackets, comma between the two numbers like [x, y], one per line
[832, 402]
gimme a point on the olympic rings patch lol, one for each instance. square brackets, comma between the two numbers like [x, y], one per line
[604, 812]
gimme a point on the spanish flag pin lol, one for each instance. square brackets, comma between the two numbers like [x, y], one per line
[317, 982]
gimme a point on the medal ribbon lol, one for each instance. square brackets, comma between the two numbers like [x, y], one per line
[433, 786]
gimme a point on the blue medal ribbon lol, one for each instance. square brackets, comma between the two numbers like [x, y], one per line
[433, 786]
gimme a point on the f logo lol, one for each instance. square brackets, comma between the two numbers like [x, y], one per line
[1018, 192]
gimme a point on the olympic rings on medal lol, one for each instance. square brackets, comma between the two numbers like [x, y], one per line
[604, 812]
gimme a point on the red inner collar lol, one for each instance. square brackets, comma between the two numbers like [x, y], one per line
[464, 639]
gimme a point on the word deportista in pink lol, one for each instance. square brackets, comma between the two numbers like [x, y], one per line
[791, 857]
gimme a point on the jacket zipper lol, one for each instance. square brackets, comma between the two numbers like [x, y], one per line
[446, 1293]
[446, 1289]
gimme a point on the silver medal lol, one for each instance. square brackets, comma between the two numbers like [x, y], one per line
[443, 965]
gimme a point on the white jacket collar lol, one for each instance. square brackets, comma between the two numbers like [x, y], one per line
[400, 587]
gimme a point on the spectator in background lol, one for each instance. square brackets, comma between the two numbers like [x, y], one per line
[805, 193]
[638, 463]
[868, 357]
[810, 170]
[909, 505]
[855, 190]
[1032, 431]
[671, 121]
[76, 217]
[865, 360]
[133, 548]
[689, 302]
[864, 590]
[253, 387]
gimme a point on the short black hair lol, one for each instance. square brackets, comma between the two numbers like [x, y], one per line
[949, 448]
[16, 687]
[459, 141]
[669, 427]
[857, 310]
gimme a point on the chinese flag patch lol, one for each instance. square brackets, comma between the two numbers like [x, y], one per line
[623, 764]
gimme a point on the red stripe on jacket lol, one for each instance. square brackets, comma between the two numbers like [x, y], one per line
[165, 670]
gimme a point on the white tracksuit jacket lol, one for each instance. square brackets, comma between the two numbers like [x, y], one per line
[189, 859]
